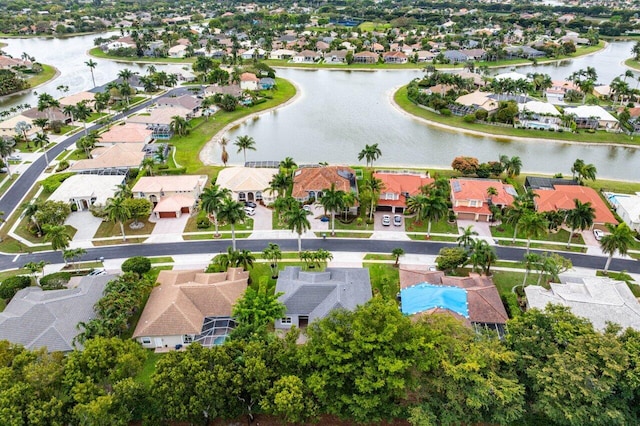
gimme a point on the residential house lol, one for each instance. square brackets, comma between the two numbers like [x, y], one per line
[562, 197]
[191, 103]
[159, 120]
[190, 306]
[537, 182]
[471, 200]
[476, 100]
[249, 81]
[177, 51]
[8, 127]
[600, 300]
[473, 299]
[254, 53]
[455, 56]
[267, 83]
[87, 97]
[395, 58]
[84, 191]
[232, 89]
[248, 183]
[515, 76]
[183, 73]
[474, 54]
[539, 115]
[559, 88]
[313, 295]
[322, 46]
[115, 159]
[627, 206]
[307, 57]
[7, 63]
[310, 182]
[365, 58]
[425, 55]
[285, 54]
[591, 116]
[36, 319]
[336, 57]
[523, 52]
[602, 91]
[137, 133]
[377, 48]
[398, 187]
[171, 196]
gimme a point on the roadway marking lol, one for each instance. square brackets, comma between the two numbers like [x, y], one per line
[16, 258]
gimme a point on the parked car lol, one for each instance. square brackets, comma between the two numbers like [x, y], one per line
[97, 272]
[14, 157]
[250, 204]
[250, 210]
[397, 220]
[307, 207]
[598, 234]
[386, 220]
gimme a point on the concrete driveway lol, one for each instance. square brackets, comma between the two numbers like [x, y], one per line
[262, 220]
[87, 226]
[317, 211]
[167, 229]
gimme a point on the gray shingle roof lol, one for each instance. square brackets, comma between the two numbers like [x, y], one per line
[316, 293]
[35, 318]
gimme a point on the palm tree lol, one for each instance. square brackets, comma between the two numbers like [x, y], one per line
[82, 113]
[179, 125]
[42, 140]
[125, 75]
[580, 217]
[396, 253]
[280, 184]
[147, 165]
[466, 238]
[530, 260]
[373, 187]
[69, 111]
[232, 212]
[57, 235]
[123, 191]
[245, 259]
[577, 166]
[21, 128]
[349, 200]
[118, 211]
[429, 208]
[333, 201]
[288, 165]
[210, 201]
[7, 146]
[483, 255]
[532, 224]
[244, 143]
[273, 254]
[30, 211]
[370, 153]
[298, 222]
[41, 122]
[618, 240]
[91, 64]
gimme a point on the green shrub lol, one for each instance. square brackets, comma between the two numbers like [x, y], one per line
[55, 281]
[138, 264]
[481, 114]
[52, 183]
[510, 302]
[62, 165]
[176, 171]
[469, 118]
[11, 285]
[446, 112]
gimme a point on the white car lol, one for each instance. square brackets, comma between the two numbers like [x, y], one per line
[250, 211]
[14, 157]
[386, 220]
[598, 234]
[397, 220]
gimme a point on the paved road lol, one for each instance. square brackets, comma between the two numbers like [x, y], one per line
[352, 245]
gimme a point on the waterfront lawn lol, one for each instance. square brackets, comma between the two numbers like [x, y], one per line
[599, 137]
[98, 53]
[202, 130]
[47, 73]
[632, 63]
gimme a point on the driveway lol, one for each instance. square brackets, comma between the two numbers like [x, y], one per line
[378, 226]
[262, 220]
[317, 211]
[167, 229]
[87, 226]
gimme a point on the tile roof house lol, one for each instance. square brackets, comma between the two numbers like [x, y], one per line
[479, 99]
[87, 190]
[309, 182]
[306, 57]
[397, 188]
[231, 89]
[76, 98]
[126, 133]
[600, 300]
[365, 58]
[562, 197]
[585, 114]
[471, 201]
[312, 295]
[628, 208]
[336, 57]
[249, 81]
[188, 102]
[248, 183]
[480, 307]
[190, 306]
[395, 58]
[115, 159]
[171, 196]
[35, 318]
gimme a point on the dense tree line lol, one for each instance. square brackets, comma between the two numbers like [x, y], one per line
[365, 366]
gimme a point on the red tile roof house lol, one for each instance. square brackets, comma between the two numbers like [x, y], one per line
[310, 182]
[397, 188]
[365, 58]
[249, 81]
[471, 201]
[562, 197]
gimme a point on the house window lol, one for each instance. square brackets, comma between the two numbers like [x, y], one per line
[286, 320]
[187, 338]
[258, 195]
[241, 196]
[473, 203]
[146, 340]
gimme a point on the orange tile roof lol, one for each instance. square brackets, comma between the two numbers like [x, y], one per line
[318, 179]
[562, 198]
[400, 183]
[476, 189]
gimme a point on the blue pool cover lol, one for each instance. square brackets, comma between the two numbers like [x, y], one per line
[422, 297]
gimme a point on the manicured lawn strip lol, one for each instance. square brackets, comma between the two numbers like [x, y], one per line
[192, 226]
[69, 129]
[98, 53]
[376, 256]
[385, 278]
[96, 116]
[550, 247]
[599, 137]
[562, 236]
[505, 280]
[209, 236]
[345, 234]
[439, 227]
[47, 74]
[353, 226]
[148, 368]
[118, 241]
[23, 231]
[12, 273]
[423, 237]
[112, 229]
[161, 259]
[189, 146]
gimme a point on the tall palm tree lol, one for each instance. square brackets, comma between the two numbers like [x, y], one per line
[244, 143]
[232, 212]
[82, 113]
[373, 187]
[466, 237]
[532, 224]
[298, 222]
[333, 200]
[288, 165]
[57, 235]
[273, 254]
[92, 64]
[280, 184]
[30, 211]
[530, 260]
[118, 211]
[580, 217]
[618, 240]
[123, 191]
[7, 147]
[349, 199]
[42, 140]
[431, 208]
[370, 153]
[179, 125]
[210, 201]
[125, 75]
[41, 122]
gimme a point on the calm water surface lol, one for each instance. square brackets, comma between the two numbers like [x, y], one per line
[338, 112]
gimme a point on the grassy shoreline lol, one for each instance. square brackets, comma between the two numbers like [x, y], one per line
[48, 73]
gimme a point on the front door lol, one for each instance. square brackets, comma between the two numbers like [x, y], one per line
[250, 196]
[158, 342]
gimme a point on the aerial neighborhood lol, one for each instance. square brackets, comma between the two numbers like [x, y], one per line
[161, 263]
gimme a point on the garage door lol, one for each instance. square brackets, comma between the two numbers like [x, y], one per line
[184, 210]
[164, 215]
[383, 208]
[466, 216]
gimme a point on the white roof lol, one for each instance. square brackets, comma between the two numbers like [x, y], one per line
[87, 186]
[512, 76]
[183, 183]
[587, 111]
[600, 300]
[630, 204]
[538, 107]
[245, 178]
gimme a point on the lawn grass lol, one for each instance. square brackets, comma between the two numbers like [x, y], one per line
[188, 147]
[112, 229]
[505, 280]
[98, 53]
[209, 236]
[377, 256]
[439, 227]
[148, 368]
[344, 234]
[118, 241]
[422, 237]
[385, 279]
[192, 225]
[47, 73]
[23, 231]
[161, 259]
[632, 63]
[599, 137]
[562, 236]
